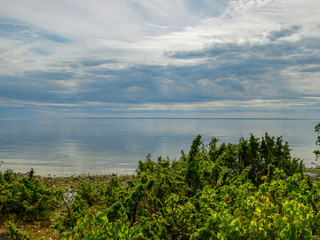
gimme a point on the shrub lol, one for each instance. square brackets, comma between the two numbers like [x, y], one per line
[26, 197]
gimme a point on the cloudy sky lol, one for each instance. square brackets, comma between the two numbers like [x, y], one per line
[160, 58]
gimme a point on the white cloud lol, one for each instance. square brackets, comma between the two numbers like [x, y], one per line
[60, 36]
[142, 30]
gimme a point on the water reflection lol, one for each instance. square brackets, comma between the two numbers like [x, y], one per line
[76, 146]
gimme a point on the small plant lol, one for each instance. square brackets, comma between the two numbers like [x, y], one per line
[17, 234]
[317, 152]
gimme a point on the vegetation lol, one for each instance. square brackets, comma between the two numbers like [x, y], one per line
[250, 190]
[317, 152]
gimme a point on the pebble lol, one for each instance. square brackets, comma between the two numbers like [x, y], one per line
[69, 195]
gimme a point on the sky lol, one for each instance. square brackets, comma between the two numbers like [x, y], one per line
[160, 58]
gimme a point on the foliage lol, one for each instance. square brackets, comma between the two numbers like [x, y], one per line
[88, 195]
[250, 190]
[26, 197]
[15, 233]
[317, 152]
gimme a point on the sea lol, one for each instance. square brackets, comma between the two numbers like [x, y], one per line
[76, 146]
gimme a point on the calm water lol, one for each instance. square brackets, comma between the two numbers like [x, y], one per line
[76, 146]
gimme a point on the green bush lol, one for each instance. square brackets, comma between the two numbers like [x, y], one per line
[317, 152]
[250, 190]
[26, 197]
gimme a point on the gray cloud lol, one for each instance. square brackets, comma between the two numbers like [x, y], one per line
[275, 35]
[189, 56]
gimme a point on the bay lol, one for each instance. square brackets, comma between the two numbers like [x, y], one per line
[64, 147]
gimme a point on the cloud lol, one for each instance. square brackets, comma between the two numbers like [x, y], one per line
[283, 33]
[168, 55]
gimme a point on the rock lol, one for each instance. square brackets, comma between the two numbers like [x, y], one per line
[4, 236]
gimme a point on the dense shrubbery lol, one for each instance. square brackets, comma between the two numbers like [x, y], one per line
[250, 190]
[26, 198]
